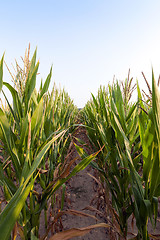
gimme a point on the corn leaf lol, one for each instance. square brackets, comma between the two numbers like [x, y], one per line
[30, 86]
[10, 215]
[17, 107]
[7, 135]
[32, 65]
[156, 110]
[46, 84]
[1, 72]
[76, 232]
[36, 120]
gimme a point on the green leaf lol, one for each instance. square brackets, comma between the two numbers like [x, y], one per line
[33, 63]
[126, 141]
[46, 84]
[30, 86]
[33, 237]
[155, 209]
[17, 107]
[144, 211]
[7, 181]
[7, 135]
[83, 164]
[11, 213]
[36, 120]
[157, 191]
[131, 111]
[24, 130]
[156, 109]
[140, 96]
[148, 147]
[1, 72]
[120, 106]
[155, 172]
[95, 101]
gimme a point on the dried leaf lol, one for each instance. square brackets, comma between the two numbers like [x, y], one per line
[76, 232]
[96, 180]
[56, 171]
[149, 88]
[154, 236]
[66, 171]
[90, 208]
[75, 213]
[14, 232]
[42, 171]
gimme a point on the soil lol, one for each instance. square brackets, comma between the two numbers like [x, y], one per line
[81, 192]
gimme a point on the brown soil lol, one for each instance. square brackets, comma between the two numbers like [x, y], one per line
[81, 193]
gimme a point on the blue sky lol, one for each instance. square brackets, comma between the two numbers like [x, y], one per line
[87, 41]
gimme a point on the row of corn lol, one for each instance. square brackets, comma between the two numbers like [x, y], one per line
[129, 163]
[35, 133]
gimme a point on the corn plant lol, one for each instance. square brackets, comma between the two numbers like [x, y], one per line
[102, 115]
[129, 161]
[147, 191]
[19, 134]
[34, 133]
[145, 188]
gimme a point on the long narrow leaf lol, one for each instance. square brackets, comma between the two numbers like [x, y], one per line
[1, 72]
[46, 84]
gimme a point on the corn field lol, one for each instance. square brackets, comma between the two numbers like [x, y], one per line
[36, 130]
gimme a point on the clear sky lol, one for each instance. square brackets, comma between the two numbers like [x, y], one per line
[87, 41]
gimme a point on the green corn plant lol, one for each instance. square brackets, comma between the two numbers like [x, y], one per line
[130, 136]
[17, 202]
[21, 136]
[35, 133]
[145, 188]
[102, 115]
[59, 114]
[147, 191]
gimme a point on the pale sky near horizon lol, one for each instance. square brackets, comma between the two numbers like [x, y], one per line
[87, 41]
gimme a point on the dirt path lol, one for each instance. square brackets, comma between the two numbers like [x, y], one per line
[81, 193]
